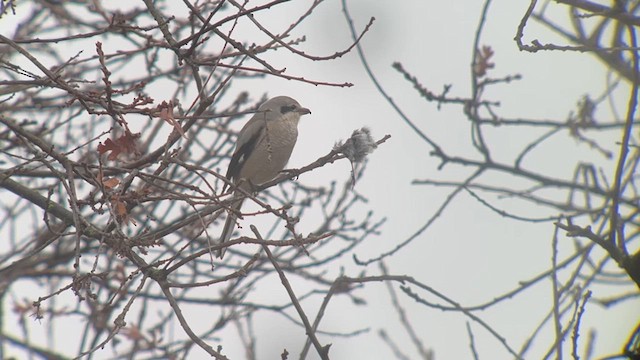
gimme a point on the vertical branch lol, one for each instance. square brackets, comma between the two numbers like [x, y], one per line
[556, 294]
[425, 354]
[323, 351]
[616, 236]
[472, 108]
[166, 290]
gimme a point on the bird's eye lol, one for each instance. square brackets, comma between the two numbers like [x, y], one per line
[287, 108]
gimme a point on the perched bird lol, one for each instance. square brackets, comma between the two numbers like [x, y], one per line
[262, 150]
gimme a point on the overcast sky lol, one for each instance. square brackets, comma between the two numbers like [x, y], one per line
[470, 254]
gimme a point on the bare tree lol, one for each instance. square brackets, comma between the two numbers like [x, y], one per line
[126, 220]
[111, 196]
[597, 207]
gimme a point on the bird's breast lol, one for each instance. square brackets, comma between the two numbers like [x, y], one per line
[272, 152]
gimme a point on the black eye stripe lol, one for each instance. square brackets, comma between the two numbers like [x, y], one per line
[287, 108]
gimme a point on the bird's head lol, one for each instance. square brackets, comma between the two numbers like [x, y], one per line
[283, 106]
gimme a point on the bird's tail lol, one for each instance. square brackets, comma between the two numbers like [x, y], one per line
[229, 225]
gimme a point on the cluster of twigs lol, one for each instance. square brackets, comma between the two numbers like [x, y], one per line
[112, 194]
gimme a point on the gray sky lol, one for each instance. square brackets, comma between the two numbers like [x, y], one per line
[470, 254]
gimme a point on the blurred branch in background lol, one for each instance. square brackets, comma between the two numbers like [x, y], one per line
[604, 200]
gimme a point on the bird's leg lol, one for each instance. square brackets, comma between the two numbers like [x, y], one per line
[253, 187]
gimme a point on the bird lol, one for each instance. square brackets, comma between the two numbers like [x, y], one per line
[262, 150]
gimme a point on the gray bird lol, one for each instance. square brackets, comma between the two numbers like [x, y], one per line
[262, 150]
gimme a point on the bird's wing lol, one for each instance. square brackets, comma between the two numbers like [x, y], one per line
[250, 136]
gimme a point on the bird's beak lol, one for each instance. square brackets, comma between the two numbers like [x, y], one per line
[303, 111]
